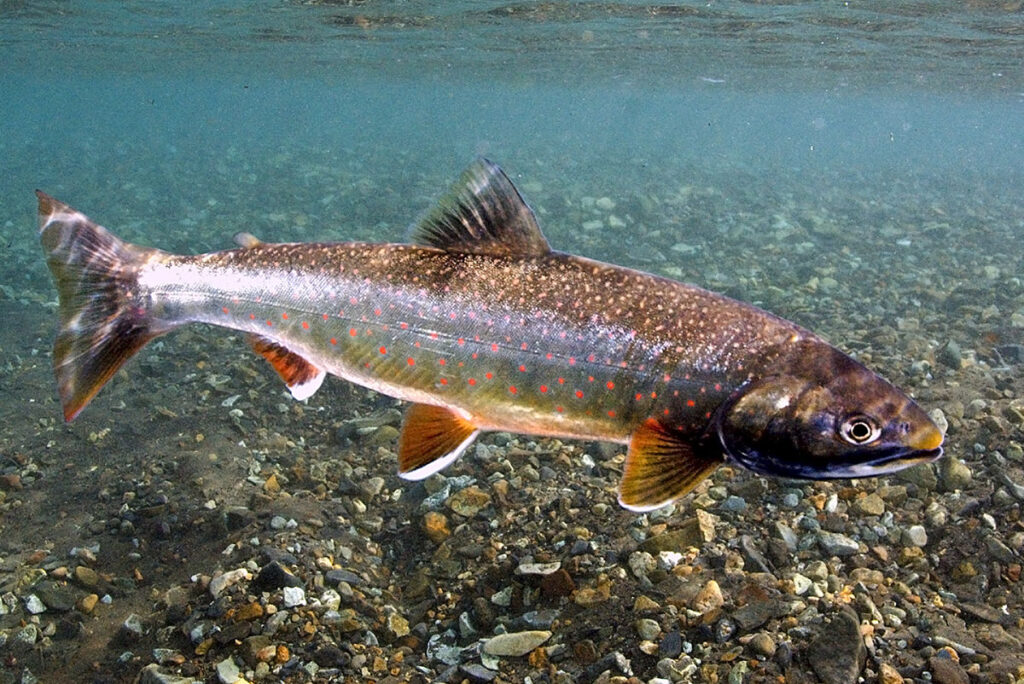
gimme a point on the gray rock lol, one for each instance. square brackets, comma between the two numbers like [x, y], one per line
[34, 604]
[58, 598]
[152, 674]
[954, 474]
[131, 629]
[835, 544]
[915, 535]
[648, 629]
[734, 504]
[837, 654]
[227, 671]
[476, 672]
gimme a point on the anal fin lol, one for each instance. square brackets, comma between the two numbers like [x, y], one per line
[432, 437]
[660, 468]
[302, 377]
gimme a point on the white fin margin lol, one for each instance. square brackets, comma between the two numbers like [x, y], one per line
[438, 464]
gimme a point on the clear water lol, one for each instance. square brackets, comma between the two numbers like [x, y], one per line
[856, 167]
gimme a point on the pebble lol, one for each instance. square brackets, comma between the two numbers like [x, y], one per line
[293, 596]
[435, 526]
[469, 501]
[954, 474]
[872, 504]
[915, 535]
[648, 629]
[515, 643]
[762, 644]
[221, 582]
[837, 653]
[86, 576]
[709, 598]
[227, 671]
[835, 544]
[34, 604]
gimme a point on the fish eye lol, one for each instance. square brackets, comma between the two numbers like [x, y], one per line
[859, 429]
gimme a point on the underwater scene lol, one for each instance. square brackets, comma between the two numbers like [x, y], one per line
[856, 169]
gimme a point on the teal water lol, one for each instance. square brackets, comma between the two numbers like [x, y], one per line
[855, 167]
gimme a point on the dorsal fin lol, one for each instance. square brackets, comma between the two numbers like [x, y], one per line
[483, 213]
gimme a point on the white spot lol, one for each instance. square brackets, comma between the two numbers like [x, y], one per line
[782, 402]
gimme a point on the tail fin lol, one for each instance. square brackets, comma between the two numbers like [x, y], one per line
[101, 326]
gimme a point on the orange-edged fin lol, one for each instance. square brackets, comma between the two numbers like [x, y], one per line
[660, 468]
[432, 437]
[301, 376]
[102, 323]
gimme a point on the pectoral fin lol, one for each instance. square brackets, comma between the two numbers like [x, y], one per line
[432, 437]
[301, 376]
[660, 467]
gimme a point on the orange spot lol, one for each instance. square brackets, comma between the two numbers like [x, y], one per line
[543, 388]
[352, 332]
[654, 395]
[472, 381]
[305, 325]
[488, 375]
[442, 362]
[383, 350]
[411, 361]
[561, 381]
[590, 378]
[494, 347]
[512, 389]
[579, 394]
[522, 369]
[461, 340]
[718, 387]
[474, 355]
[224, 309]
[284, 316]
[572, 361]
[523, 346]
[325, 317]
[611, 414]
[639, 396]
[559, 409]
[610, 385]
[691, 402]
[403, 326]
[444, 381]
[252, 317]
[270, 322]
[548, 356]
[376, 312]
[334, 340]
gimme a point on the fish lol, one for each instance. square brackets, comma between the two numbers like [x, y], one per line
[481, 326]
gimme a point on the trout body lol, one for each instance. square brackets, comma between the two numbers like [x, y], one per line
[483, 327]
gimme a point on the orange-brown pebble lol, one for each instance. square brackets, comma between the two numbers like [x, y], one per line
[538, 658]
[272, 486]
[249, 611]
[435, 526]
[87, 603]
[283, 655]
[204, 646]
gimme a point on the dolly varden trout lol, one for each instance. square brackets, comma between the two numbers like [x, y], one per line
[481, 326]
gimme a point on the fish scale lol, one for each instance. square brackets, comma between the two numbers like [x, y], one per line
[481, 326]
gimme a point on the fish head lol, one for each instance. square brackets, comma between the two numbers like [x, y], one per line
[821, 415]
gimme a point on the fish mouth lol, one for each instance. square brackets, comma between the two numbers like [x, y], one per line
[865, 463]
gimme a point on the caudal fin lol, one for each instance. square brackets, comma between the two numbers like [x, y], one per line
[102, 323]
